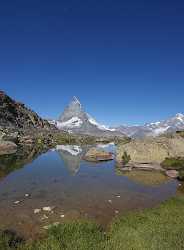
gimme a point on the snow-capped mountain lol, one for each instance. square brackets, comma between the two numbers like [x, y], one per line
[75, 120]
[156, 128]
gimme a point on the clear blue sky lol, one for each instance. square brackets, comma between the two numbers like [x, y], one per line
[123, 59]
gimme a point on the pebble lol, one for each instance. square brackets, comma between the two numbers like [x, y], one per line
[16, 202]
[118, 196]
[27, 195]
[172, 173]
[46, 227]
[51, 225]
[44, 217]
[37, 210]
[47, 209]
[116, 212]
[62, 215]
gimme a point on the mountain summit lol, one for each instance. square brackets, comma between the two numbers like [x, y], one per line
[75, 120]
[73, 109]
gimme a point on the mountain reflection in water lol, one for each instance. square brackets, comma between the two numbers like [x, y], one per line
[60, 178]
[71, 155]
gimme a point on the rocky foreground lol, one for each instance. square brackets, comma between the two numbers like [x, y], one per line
[164, 153]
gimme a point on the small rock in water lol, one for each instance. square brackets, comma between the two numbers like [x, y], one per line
[27, 195]
[37, 210]
[172, 173]
[16, 202]
[110, 201]
[118, 196]
[116, 212]
[44, 217]
[62, 215]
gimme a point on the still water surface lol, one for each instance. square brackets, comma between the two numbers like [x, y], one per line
[75, 188]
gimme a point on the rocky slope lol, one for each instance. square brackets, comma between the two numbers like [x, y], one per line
[22, 127]
[75, 120]
[16, 115]
[169, 125]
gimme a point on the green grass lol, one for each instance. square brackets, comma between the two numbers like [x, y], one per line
[160, 228]
[173, 163]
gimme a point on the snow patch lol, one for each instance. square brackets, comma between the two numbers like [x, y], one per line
[154, 123]
[100, 126]
[71, 149]
[179, 117]
[160, 130]
[74, 122]
[105, 145]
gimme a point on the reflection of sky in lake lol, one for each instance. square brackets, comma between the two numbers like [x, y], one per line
[62, 179]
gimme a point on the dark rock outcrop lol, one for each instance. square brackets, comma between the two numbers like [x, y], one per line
[17, 115]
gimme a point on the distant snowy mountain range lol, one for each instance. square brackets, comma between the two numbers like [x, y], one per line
[75, 120]
[155, 128]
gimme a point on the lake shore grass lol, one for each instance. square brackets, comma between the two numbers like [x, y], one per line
[157, 228]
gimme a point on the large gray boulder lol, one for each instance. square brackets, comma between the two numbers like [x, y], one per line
[96, 155]
[152, 150]
[7, 147]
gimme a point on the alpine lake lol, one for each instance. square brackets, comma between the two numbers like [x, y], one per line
[59, 185]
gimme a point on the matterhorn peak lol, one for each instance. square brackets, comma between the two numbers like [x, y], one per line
[76, 100]
[75, 120]
[74, 109]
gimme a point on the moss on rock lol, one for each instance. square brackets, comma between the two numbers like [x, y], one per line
[176, 163]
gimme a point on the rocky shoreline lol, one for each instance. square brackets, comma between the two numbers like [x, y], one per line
[164, 154]
[22, 131]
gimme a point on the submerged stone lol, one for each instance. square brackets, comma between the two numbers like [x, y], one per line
[148, 178]
[172, 173]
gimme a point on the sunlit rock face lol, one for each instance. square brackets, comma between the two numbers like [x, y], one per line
[75, 120]
[151, 150]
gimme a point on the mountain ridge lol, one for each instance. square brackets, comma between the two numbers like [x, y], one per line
[168, 125]
[18, 115]
[74, 119]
